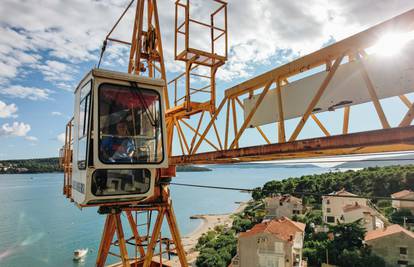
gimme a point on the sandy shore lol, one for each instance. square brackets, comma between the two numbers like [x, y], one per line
[209, 222]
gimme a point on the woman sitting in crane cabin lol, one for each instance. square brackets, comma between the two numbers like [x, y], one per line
[119, 147]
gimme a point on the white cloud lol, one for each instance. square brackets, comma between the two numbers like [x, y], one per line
[7, 111]
[15, 129]
[38, 28]
[56, 113]
[56, 71]
[61, 138]
[272, 32]
[31, 93]
[31, 138]
[265, 32]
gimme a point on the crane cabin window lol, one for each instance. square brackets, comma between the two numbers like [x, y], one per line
[84, 108]
[129, 125]
[120, 182]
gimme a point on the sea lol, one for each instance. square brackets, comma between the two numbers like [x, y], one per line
[40, 227]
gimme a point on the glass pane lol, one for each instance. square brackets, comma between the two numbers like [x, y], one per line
[129, 125]
[85, 89]
[82, 153]
[120, 182]
[81, 124]
[87, 109]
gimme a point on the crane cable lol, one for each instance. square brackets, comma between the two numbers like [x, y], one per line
[105, 42]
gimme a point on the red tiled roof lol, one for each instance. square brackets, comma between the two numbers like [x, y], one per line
[283, 228]
[285, 198]
[390, 230]
[342, 192]
[356, 206]
[401, 194]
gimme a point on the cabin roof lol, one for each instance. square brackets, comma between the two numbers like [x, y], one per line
[121, 76]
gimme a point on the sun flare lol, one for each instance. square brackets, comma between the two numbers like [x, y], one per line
[391, 44]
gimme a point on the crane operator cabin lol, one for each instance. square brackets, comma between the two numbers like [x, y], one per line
[119, 137]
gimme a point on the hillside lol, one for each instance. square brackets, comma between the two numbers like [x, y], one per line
[52, 165]
[30, 165]
[265, 165]
[379, 162]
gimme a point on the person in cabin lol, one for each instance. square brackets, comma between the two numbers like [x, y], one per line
[119, 147]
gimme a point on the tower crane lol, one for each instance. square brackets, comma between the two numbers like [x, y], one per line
[118, 153]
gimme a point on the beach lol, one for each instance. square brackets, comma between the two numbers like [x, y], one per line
[209, 221]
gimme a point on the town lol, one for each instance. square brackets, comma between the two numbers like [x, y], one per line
[342, 229]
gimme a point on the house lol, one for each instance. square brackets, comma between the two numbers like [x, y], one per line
[283, 206]
[334, 203]
[277, 242]
[394, 244]
[369, 217]
[400, 204]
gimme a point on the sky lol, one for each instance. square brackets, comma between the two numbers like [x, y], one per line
[47, 46]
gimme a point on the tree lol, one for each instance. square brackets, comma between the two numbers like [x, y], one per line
[359, 258]
[217, 248]
[257, 194]
[206, 238]
[399, 215]
[241, 225]
[348, 235]
[315, 252]
[210, 257]
[409, 179]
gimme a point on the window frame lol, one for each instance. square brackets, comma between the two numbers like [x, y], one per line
[86, 122]
[327, 220]
[161, 126]
[126, 194]
[404, 248]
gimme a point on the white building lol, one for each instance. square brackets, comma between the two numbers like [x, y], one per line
[370, 220]
[272, 243]
[400, 204]
[283, 206]
[345, 207]
[333, 204]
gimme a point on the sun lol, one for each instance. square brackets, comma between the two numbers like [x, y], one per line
[391, 44]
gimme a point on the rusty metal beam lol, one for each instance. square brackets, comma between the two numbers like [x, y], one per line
[405, 100]
[251, 114]
[373, 95]
[345, 125]
[321, 126]
[257, 127]
[281, 124]
[408, 118]
[198, 134]
[384, 140]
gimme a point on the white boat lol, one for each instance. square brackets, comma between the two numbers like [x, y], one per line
[79, 254]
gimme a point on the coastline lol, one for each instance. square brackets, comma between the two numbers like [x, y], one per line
[208, 222]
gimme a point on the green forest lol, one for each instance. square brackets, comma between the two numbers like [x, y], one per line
[372, 182]
[42, 165]
[30, 165]
[218, 246]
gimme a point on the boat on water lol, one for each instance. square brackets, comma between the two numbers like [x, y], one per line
[79, 254]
